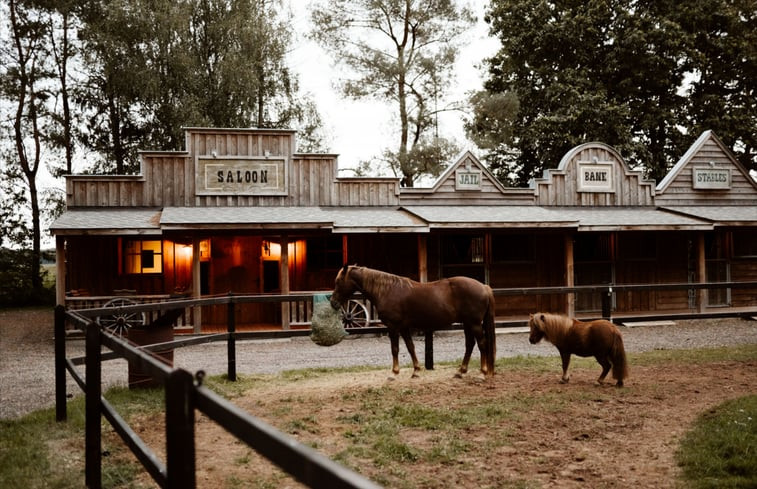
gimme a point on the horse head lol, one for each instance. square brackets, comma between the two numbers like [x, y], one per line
[344, 287]
[536, 324]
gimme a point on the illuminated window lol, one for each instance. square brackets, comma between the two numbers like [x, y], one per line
[143, 256]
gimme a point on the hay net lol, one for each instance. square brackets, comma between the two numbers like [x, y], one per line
[327, 328]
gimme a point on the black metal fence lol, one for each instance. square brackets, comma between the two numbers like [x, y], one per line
[184, 393]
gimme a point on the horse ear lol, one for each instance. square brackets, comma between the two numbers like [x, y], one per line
[345, 267]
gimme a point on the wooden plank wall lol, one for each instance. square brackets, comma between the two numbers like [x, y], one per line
[561, 188]
[681, 192]
[167, 178]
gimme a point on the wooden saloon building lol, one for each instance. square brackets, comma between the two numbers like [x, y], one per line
[239, 211]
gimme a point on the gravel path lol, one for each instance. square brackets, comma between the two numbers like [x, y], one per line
[27, 353]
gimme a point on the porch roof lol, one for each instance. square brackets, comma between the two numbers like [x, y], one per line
[341, 219]
[728, 215]
[580, 218]
[108, 221]
[408, 219]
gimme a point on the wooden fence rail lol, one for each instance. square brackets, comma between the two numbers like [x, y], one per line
[185, 393]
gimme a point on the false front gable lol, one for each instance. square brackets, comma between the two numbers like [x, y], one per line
[708, 174]
[593, 174]
[466, 182]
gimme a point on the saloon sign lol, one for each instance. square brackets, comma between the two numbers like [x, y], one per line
[241, 176]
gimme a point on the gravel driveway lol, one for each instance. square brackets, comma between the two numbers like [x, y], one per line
[27, 353]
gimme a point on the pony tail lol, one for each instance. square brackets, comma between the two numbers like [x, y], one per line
[490, 334]
[619, 363]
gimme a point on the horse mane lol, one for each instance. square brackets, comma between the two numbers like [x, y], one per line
[555, 326]
[378, 283]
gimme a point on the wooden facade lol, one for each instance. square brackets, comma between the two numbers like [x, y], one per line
[239, 211]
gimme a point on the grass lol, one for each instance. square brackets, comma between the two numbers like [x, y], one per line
[37, 452]
[721, 450]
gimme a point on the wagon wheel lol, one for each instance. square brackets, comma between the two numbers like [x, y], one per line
[354, 315]
[120, 322]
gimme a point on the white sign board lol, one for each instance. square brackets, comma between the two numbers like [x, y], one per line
[711, 178]
[240, 176]
[467, 180]
[595, 177]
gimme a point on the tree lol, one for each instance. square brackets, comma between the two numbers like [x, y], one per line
[618, 72]
[22, 84]
[721, 56]
[401, 50]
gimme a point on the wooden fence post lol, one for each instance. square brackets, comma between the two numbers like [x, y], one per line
[93, 409]
[231, 343]
[429, 351]
[180, 435]
[606, 296]
[60, 363]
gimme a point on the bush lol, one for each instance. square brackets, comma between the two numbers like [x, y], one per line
[15, 277]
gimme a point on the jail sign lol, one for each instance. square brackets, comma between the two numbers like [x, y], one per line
[240, 176]
[467, 179]
[595, 177]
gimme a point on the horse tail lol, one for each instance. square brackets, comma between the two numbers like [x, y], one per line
[618, 354]
[490, 335]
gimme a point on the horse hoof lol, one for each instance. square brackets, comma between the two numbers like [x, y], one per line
[564, 381]
[458, 375]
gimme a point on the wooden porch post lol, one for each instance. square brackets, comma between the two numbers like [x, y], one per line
[196, 284]
[701, 273]
[422, 258]
[60, 271]
[570, 299]
[284, 278]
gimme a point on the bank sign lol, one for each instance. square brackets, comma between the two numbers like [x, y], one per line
[595, 177]
[240, 176]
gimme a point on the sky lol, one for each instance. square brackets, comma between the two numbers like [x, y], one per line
[357, 130]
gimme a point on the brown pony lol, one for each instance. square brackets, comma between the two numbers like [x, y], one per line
[600, 339]
[404, 305]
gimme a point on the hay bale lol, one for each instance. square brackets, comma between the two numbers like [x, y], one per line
[327, 328]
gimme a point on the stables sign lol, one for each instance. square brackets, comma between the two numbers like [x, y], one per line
[711, 178]
[240, 176]
[595, 177]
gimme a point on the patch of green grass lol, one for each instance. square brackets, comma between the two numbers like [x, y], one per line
[721, 450]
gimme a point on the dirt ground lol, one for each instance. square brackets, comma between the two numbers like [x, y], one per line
[558, 436]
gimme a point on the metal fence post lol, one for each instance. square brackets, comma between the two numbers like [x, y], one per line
[60, 363]
[180, 435]
[93, 409]
[231, 343]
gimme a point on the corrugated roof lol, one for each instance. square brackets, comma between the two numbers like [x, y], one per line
[121, 220]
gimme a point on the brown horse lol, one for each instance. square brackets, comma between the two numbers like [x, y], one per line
[404, 305]
[600, 339]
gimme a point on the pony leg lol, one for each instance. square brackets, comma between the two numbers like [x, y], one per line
[407, 336]
[606, 365]
[469, 342]
[394, 340]
[565, 364]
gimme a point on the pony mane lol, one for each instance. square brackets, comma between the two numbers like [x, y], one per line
[380, 283]
[555, 326]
